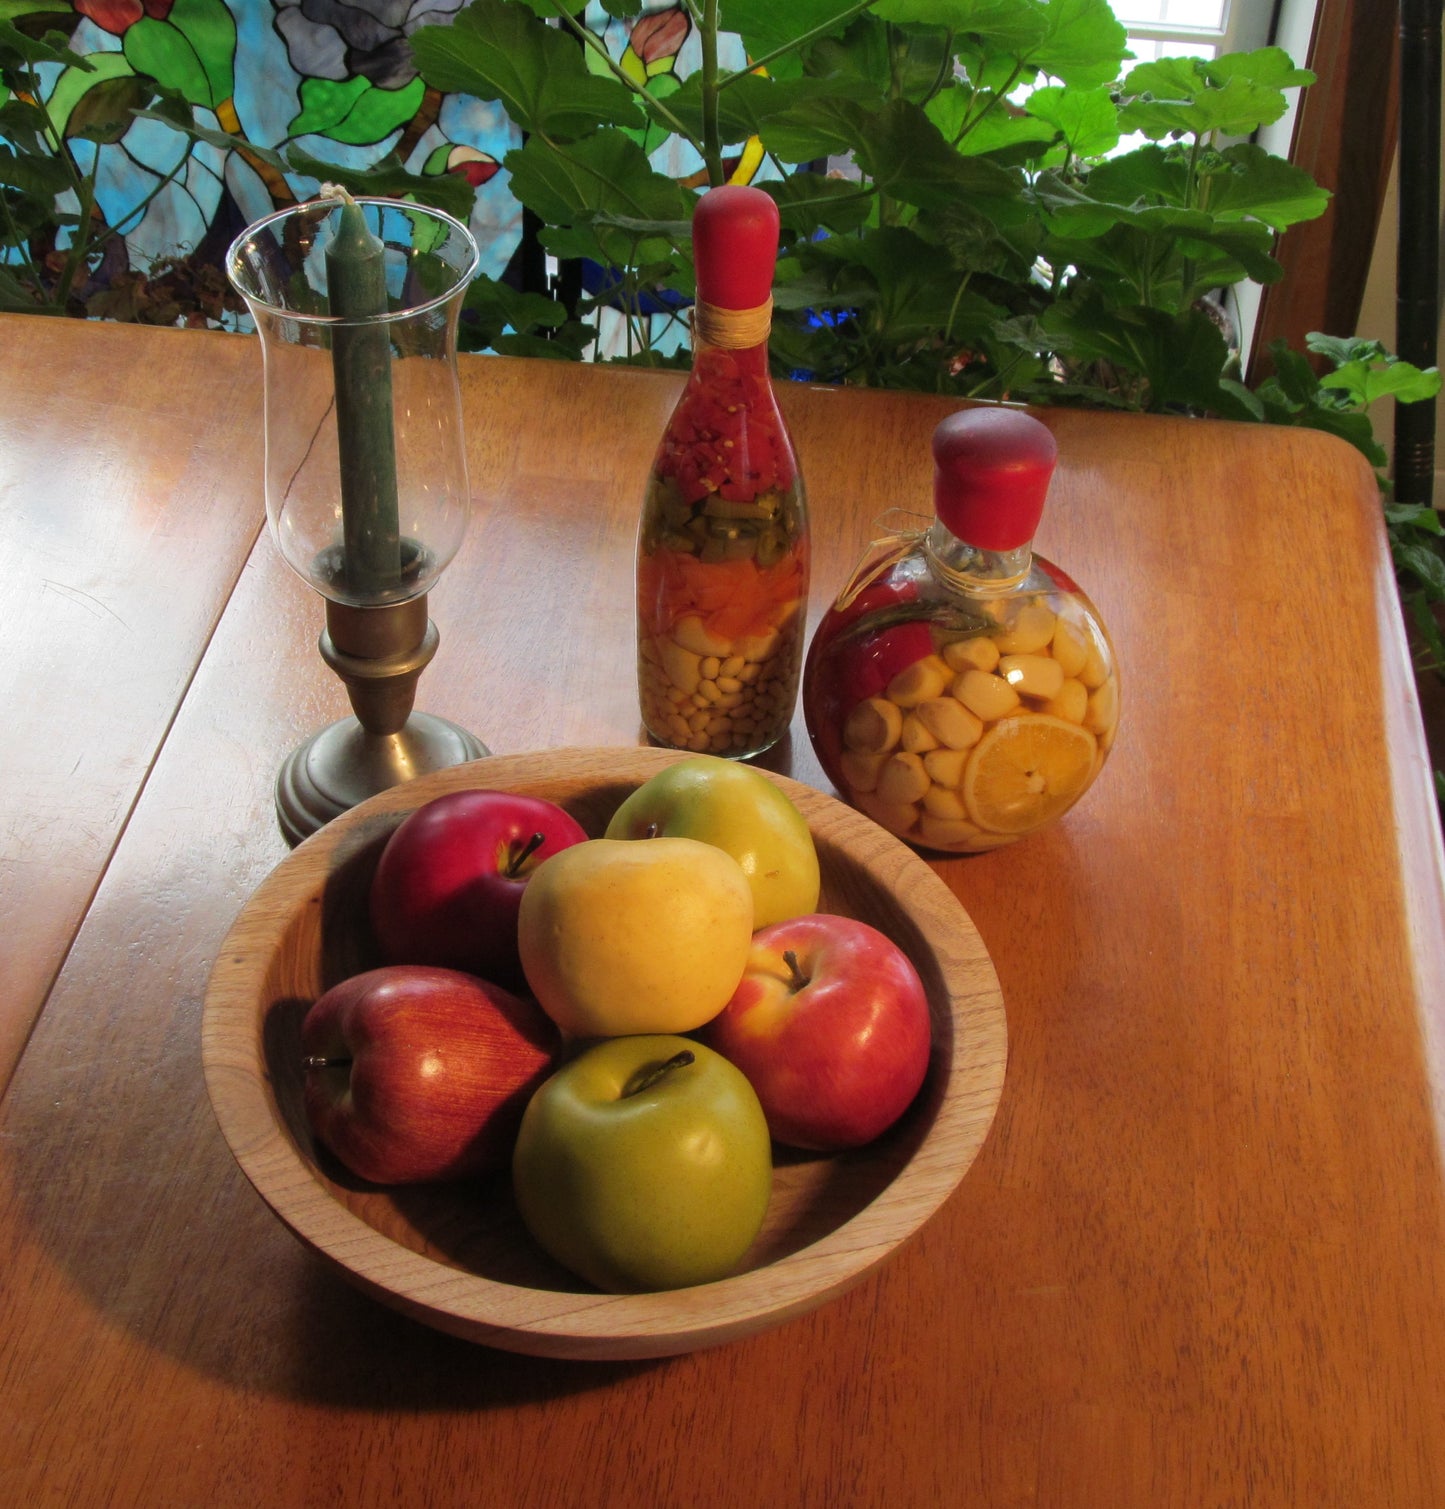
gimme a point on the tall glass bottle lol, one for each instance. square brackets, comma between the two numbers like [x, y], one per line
[962, 691]
[722, 553]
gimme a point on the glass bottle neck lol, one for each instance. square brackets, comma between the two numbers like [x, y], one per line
[972, 569]
[743, 361]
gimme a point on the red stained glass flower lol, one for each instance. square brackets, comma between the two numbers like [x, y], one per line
[660, 35]
[117, 16]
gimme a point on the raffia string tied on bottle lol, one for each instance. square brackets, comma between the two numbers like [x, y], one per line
[732, 329]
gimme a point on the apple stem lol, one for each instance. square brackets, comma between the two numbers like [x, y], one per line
[799, 979]
[516, 857]
[322, 1062]
[649, 1074]
[650, 831]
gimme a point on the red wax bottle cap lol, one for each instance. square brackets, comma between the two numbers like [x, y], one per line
[735, 246]
[991, 475]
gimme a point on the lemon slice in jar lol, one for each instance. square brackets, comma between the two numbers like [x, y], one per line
[1025, 771]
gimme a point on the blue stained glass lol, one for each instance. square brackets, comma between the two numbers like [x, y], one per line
[336, 79]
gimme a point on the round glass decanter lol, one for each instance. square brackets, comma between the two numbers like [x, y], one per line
[962, 691]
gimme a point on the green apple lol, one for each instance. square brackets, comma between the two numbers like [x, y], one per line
[618, 937]
[739, 810]
[644, 1163]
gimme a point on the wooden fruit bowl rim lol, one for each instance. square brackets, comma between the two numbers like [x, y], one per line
[870, 872]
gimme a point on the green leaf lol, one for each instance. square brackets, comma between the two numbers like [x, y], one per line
[1415, 516]
[605, 172]
[906, 157]
[186, 123]
[977, 122]
[1087, 119]
[827, 126]
[498, 50]
[389, 179]
[1175, 97]
[753, 102]
[1248, 181]
[1366, 383]
[44, 177]
[1084, 44]
[767, 25]
[1270, 66]
[808, 202]
[1164, 361]
[23, 48]
[1424, 564]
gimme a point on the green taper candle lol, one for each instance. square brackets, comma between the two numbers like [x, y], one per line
[361, 360]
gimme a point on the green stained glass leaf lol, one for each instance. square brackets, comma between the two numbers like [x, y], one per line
[103, 113]
[76, 82]
[211, 30]
[497, 50]
[356, 112]
[325, 103]
[157, 48]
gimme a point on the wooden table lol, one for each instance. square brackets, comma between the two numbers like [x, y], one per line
[1201, 1260]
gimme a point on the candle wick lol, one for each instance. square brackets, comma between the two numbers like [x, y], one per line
[335, 191]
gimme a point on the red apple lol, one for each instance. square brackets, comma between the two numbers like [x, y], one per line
[450, 880]
[415, 1073]
[830, 1024]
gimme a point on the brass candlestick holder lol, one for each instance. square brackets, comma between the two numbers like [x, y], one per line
[379, 653]
[356, 303]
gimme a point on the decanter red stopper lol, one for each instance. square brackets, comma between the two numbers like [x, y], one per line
[992, 469]
[735, 246]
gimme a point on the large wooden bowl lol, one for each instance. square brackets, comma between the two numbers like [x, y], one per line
[457, 1256]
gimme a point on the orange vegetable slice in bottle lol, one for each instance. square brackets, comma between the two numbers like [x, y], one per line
[1025, 771]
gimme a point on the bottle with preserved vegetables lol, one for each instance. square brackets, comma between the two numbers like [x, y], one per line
[722, 556]
[962, 691]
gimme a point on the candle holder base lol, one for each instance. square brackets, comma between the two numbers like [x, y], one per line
[343, 764]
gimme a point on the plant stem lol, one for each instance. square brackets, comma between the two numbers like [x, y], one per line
[711, 145]
[649, 1074]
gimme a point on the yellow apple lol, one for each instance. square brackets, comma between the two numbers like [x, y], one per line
[739, 810]
[620, 937]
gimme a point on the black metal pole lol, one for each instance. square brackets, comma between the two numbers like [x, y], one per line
[1417, 268]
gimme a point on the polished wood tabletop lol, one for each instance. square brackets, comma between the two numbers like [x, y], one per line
[1200, 1260]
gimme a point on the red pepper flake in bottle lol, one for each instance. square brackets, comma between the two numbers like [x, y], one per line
[722, 567]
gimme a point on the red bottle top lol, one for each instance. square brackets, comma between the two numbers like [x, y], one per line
[735, 246]
[991, 474]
